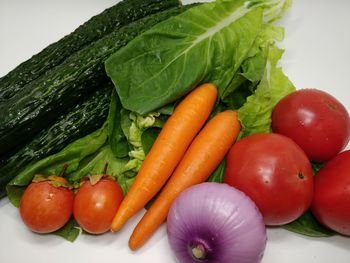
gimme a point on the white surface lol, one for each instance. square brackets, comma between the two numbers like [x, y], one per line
[317, 55]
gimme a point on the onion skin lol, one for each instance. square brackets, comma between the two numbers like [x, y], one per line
[216, 223]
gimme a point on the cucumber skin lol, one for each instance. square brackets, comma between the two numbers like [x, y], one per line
[84, 118]
[46, 98]
[98, 26]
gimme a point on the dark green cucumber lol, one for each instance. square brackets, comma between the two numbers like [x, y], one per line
[45, 98]
[83, 119]
[98, 26]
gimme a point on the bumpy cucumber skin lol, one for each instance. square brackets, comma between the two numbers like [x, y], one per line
[47, 97]
[98, 26]
[84, 118]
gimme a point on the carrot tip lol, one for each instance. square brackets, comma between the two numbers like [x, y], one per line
[116, 226]
[133, 245]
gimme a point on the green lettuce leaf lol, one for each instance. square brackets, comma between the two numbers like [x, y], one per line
[118, 141]
[69, 231]
[134, 127]
[205, 43]
[255, 114]
[252, 68]
[309, 226]
[95, 164]
[218, 175]
[148, 137]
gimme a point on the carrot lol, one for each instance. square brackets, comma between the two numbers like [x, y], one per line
[202, 157]
[167, 151]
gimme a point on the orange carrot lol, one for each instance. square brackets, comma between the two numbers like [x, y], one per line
[205, 153]
[167, 151]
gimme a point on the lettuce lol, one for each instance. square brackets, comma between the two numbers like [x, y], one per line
[207, 43]
[255, 114]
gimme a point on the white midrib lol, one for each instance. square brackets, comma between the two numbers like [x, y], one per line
[238, 13]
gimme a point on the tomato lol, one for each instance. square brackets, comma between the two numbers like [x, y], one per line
[274, 172]
[45, 208]
[96, 205]
[331, 201]
[315, 120]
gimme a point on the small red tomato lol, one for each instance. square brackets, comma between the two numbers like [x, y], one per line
[331, 202]
[275, 173]
[96, 205]
[315, 120]
[45, 208]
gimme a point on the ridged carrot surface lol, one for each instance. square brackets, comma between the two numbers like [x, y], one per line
[202, 157]
[167, 151]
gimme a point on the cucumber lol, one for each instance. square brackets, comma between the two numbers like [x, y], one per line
[98, 26]
[84, 118]
[42, 100]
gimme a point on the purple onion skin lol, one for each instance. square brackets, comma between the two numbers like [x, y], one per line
[220, 222]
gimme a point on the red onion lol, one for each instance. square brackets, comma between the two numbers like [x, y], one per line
[213, 222]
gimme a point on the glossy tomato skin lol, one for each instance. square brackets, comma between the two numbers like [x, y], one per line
[45, 208]
[331, 202]
[96, 205]
[275, 173]
[315, 120]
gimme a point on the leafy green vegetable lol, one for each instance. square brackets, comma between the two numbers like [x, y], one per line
[117, 138]
[252, 68]
[255, 114]
[138, 125]
[309, 226]
[95, 163]
[207, 43]
[215, 37]
[218, 174]
[70, 231]
[148, 137]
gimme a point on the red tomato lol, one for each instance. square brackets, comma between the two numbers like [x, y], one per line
[96, 205]
[45, 208]
[315, 120]
[331, 202]
[275, 173]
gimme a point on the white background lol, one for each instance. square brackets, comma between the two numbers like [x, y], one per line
[317, 55]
